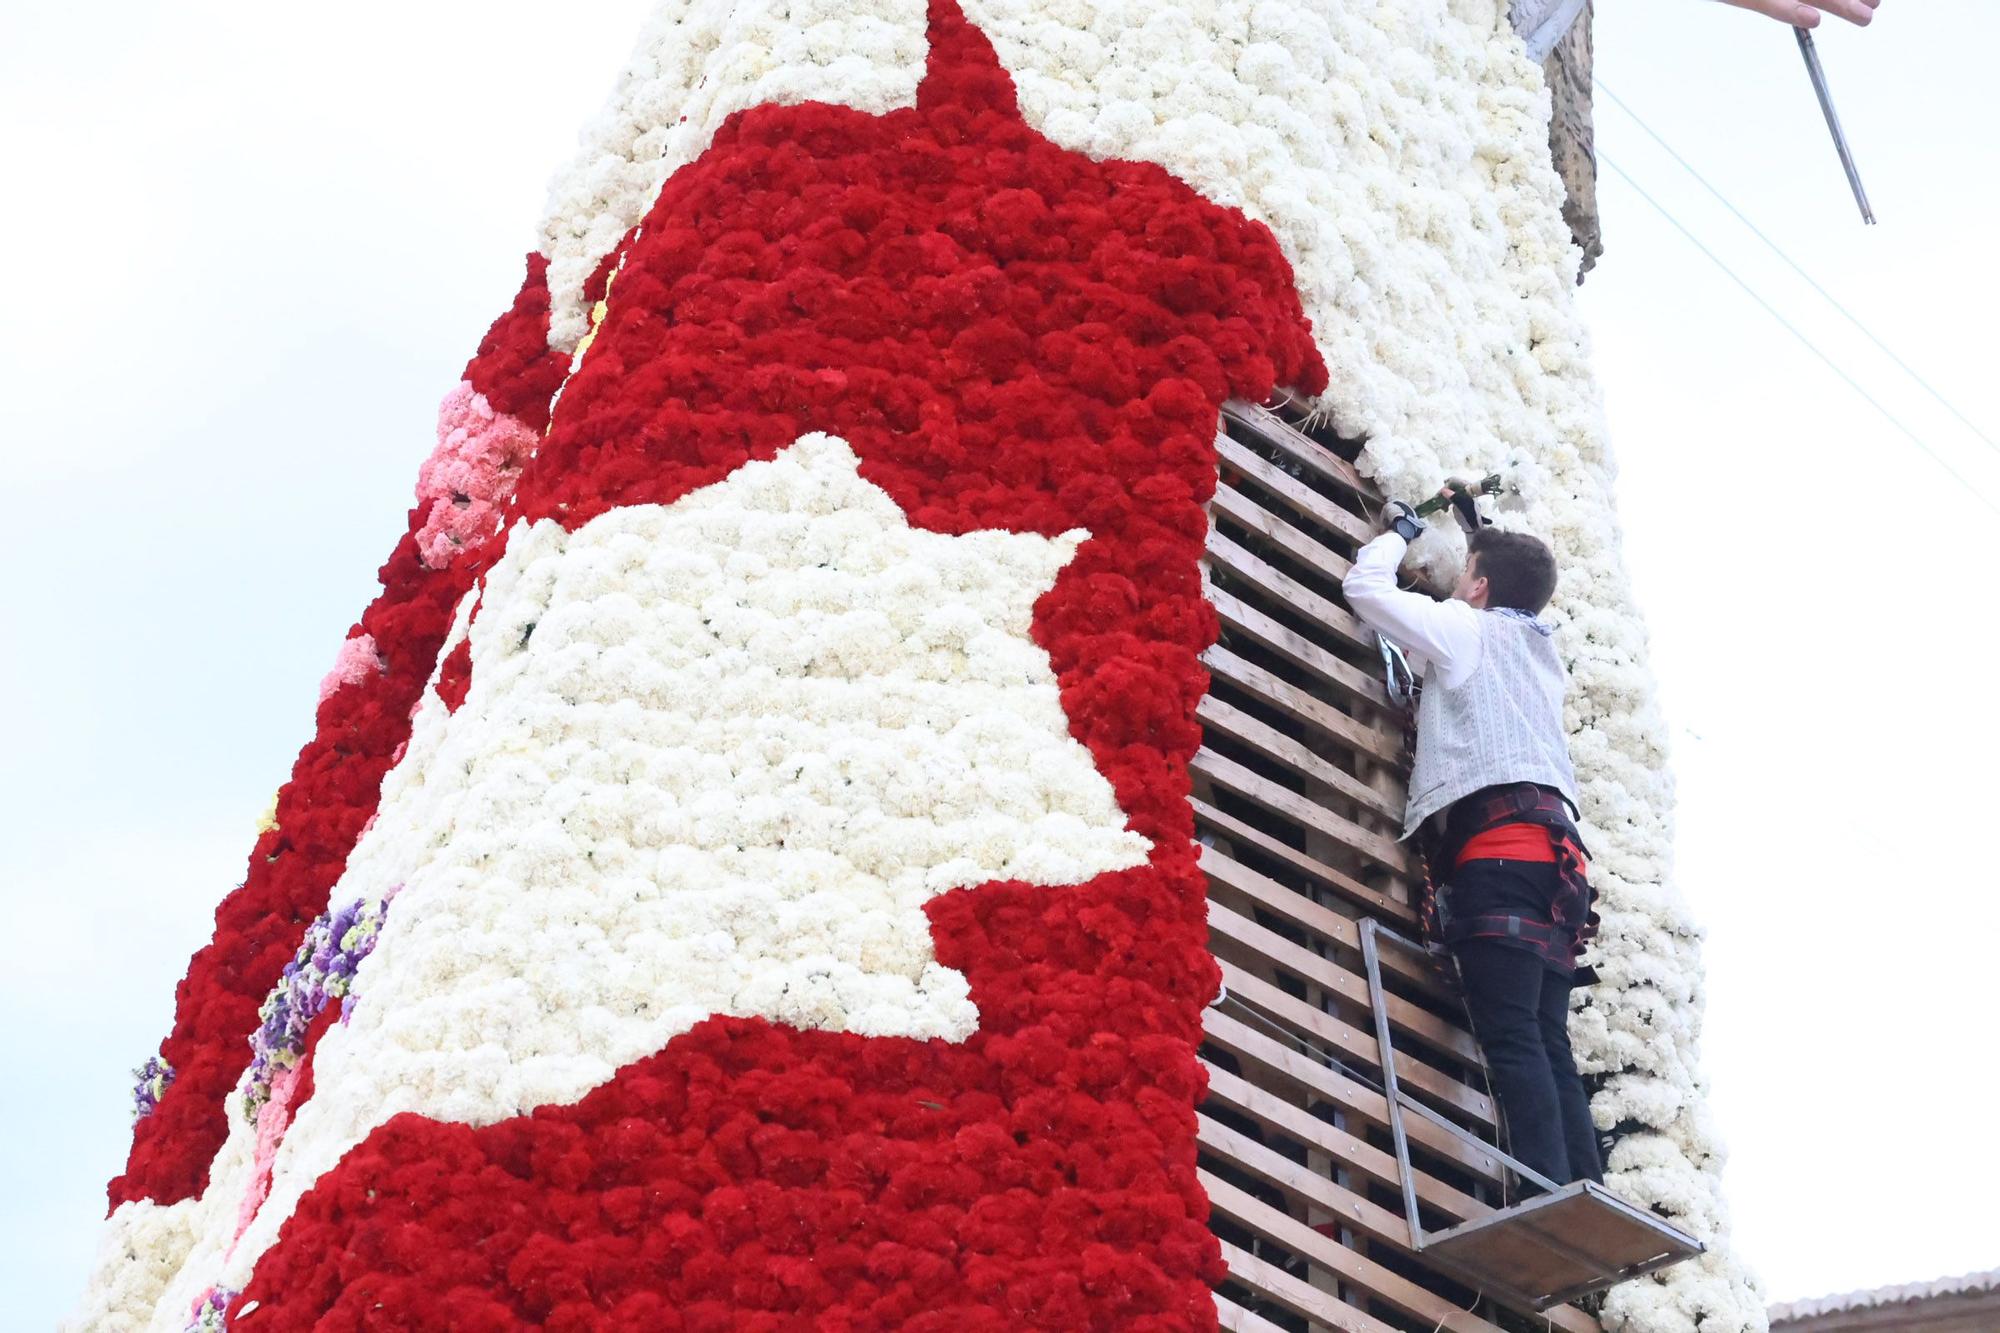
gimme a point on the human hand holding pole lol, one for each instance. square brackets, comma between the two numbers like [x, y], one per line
[1859, 12]
[1460, 498]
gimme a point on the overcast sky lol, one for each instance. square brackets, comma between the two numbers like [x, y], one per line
[254, 245]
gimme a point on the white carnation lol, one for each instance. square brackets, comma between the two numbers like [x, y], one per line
[749, 735]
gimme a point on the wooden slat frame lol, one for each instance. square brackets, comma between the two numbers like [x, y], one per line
[1290, 806]
[1321, 874]
[1274, 583]
[1225, 719]
[1381, 1223]
[1236, 1319]
[1299, 795]
[1311, 1075]
[1408, 1019]
[1299, 1297]
[1322, 921]
[1299, 496]
[1283, 1115]
[1327, 1032]
[1271, 429]
[1239, 508]
[1302, 652]
[1325, 1252]
[1327, 719]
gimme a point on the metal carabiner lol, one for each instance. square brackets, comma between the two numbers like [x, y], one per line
[1397, 677]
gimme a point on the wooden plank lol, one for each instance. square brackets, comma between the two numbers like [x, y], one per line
[1540, 1271]
[1236, 1319]
[1289, 1118]
[1344, 727]
[1295, 1122]
[1352, 1041]
[1280, 434]
[1268, 741]
[1239, 615]
[1231, 925]
[1311, 1245]
[1291, 1012]
[1327, 1253]
[1323, 921]
[1287, 804]
[1280, 586]
[1347, 1093]
[1289, 490]
[1244, 511]
[1326, 876]
[1299, 1181]
[1329, 975]
[1300, 1298]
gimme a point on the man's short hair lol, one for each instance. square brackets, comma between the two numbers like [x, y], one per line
[1519, 569]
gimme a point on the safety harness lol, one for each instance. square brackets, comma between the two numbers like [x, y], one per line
[1572, 921]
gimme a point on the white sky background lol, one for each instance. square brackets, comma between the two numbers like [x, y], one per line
[252, 249]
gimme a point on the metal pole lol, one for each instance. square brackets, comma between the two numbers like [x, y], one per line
[1807, 50]
[1373, 931]
[1378, 1000]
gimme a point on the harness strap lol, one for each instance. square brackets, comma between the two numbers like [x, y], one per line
[1507, 926]
[1572, 911]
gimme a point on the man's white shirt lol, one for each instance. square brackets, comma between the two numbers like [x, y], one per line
[1440, 639]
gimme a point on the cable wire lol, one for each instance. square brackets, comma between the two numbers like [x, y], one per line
[1312, 1047]
[1809, 344]
[1793, 264]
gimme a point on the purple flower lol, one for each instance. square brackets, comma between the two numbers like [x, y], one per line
[154, 1077]
[321, 971]
[211, 1312]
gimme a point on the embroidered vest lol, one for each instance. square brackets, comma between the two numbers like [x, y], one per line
[1502, 723]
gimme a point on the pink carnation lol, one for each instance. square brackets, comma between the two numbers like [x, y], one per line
[273, 1118]
[467, 479]
[356, 658]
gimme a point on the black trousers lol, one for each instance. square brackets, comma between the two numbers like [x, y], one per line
[1520, 1013]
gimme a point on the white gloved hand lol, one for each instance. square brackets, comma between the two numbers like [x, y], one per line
[1401, 518]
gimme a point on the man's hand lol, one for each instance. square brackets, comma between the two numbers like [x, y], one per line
[1399, 517]
[1461, 496]
[1860, 12]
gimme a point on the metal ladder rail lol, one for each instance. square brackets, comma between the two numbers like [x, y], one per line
[1420, 1239]
[1399, 1101]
